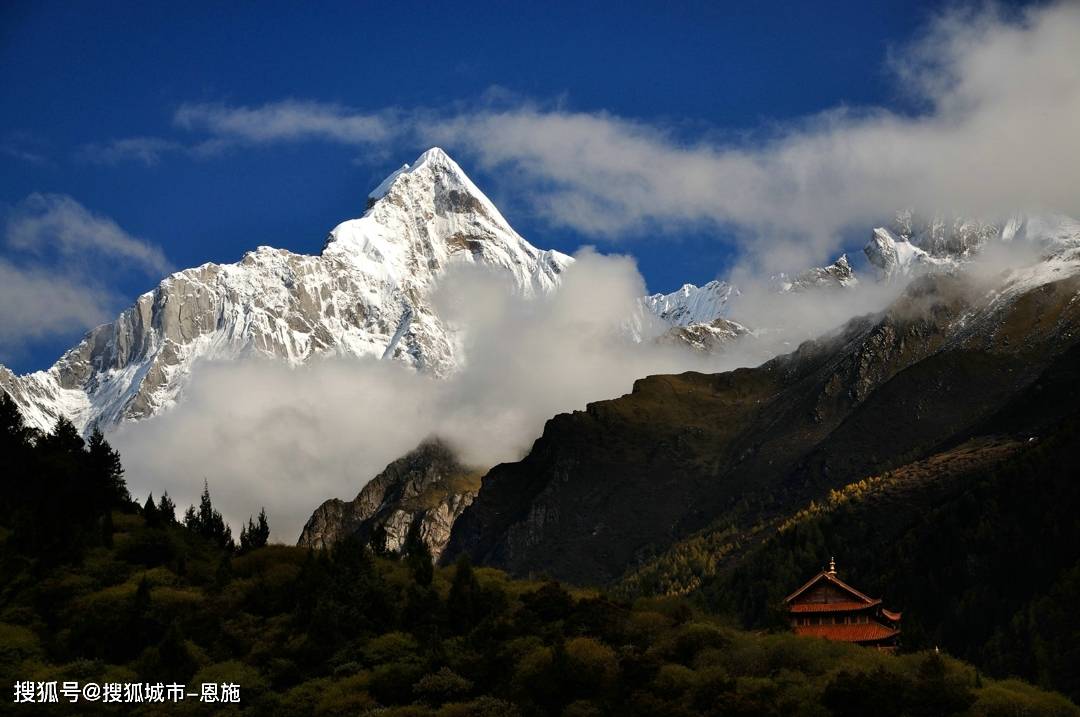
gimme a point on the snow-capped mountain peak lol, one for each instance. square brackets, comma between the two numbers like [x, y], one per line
[429, 214]
[348, 300]
[914, 245]
[692, 304]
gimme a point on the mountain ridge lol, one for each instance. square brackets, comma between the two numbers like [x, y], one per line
[679, 452]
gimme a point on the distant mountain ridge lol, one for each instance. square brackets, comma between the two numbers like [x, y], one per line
[605, 487]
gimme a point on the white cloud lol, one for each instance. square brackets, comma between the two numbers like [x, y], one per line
[264, 433]
[999, 131]
[292, 437]
[26, 147]
[288, 120]
[61, 258]
[56, 222]
[36, 302]
[145, 150]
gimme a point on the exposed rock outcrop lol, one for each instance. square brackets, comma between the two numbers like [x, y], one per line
[426, 489]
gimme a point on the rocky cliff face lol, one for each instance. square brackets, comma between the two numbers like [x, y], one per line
[838, 275]
[348, 300]
[710, 338]
[604, 488]
[426, 489]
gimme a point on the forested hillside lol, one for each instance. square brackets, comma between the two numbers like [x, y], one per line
[97, 588]
[982, 562]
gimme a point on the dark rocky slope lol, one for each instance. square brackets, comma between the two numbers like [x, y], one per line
[426, 490]
[604, 488]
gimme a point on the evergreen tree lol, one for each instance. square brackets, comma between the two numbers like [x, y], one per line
[255, 536]
[107, 474]
[418, 557]
[167, 508]
[208, 523]
[464, 599]
[64, 438]
[12, 428]
[150, 512]
[15, 453]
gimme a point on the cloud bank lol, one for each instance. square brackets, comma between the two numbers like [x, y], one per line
[292, 437]
[60, 258]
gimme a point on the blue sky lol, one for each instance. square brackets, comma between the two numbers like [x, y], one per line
[130, 110]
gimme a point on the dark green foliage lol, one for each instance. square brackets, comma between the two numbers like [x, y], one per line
[106, 471]
[379, 540]
[58, 490]
[207, 522]
[984, 565]
[418, 556]
[931, 693]
[857, 694]
[347, 632]
[254, 536]
[463, 605]
[167, 508]
[150, 512]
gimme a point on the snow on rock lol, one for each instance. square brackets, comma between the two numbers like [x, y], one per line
[914, 246]
[712, 337]
[894, 257]
[692, 304]
[838, 275]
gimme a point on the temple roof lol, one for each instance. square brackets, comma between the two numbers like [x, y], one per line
[834, 606]
[830, 576]
[868, 632]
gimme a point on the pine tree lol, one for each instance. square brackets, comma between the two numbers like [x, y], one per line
[379, 542]
[464, 597]
[15, 453]
[107, 473]
[150, 512]
[255, 536]
[64, 438]
[167, 508]
[263, 534]
[418, 556]
[208, 523]
[12, 427]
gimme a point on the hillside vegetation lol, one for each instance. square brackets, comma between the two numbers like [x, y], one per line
[128, 593]
[982, 560]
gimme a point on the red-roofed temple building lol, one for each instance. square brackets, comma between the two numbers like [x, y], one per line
[828, 607]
